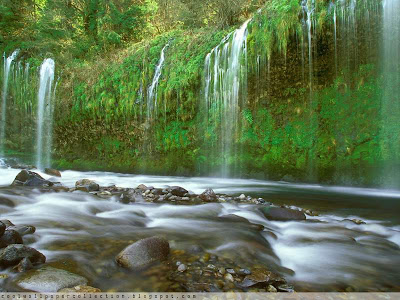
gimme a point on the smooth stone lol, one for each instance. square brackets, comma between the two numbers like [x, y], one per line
[142, 187]
[231, 271]
[282, 214]
[285, 288]
[271, 289]
[182, 268]
[242, 197]
[49, 280]
[131, 196]
[208, 195]
[29, 178]
[178, 191]
[87, 185]
[143, 253]
[24, 265]
[244, 272]
[10, 237]
[13, 254]
[52, 172]
[23, 229]
[229, 277]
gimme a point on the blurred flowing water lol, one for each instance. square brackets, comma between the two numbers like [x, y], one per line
[84, 232]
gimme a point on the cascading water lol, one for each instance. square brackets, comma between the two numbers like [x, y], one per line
[225, 88]
[152, 90]
[45, 114]
[391, 95]
[7, 67]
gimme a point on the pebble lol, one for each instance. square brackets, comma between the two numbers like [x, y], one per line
[242, 197]
[231, 271]
[229, 277]
[182, 268]
[222, 271]
[271, 289]
[244, 272]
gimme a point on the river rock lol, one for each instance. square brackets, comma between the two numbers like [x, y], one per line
[261, 278]
[52, 172]
[143, 253]
[13, 254]
[24, 265]
[131, 196]
[208, 196]
[49, 280]
[178, 191]
[23, 229]
[282, 214]
[8, 223]
[87, 185]
[29, 178]
[2, 228]
[10, 237]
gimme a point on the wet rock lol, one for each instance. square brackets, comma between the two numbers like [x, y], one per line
[131, 196]
[178, 191]
[208, 196]
[49, 280]
[143, 253]
[8, 223]
[23, 229]
[358, 222]
[142, 187]
[231, 271]
[28, 178]
[261, 278]
[229, 277]
[222, 271]
[80, 289]
[24, 265]
[244, 272]
[13, 254]
[271, 289]
[6, 202]
[10, 237]
[285, 288]
[282, 214]
[2, 228]
[242, 197]
[182, 268]
[52, 172]
[87, 185]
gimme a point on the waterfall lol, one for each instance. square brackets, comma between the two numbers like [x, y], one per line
[225, 87]
[391, 94]
[152, 90]
[45, 114]
[7, 67]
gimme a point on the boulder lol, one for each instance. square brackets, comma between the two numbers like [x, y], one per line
[29, 178]
[208, 196]
[87, 185]
[143, 253]
[52, 172]
[178, 191]
[13, 254]
[282, 214]
[10, 237]
[49, 280]
[24, 265]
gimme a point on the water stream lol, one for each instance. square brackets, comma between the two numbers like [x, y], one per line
[84, 232]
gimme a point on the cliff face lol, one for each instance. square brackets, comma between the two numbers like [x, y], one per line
[294, 93]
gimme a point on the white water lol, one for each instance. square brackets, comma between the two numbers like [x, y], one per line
[45, 114]
[3, 122]
[225, 88]
[391, 94]
[152, 94]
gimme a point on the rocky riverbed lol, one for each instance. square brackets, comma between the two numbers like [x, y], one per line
[97, 237]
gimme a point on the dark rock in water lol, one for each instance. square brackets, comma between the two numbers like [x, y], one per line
[52, 172]
[8, 223]
[208, 195]
[2, 228]
[131, 196]
[28, 178]
[87, 185]
[282, 214]
[178, 191]
[10, 237]
[23, 229]
[143, 253]
[157, 192]
[24, 265]
[49, 280]
[13, 254]
[6, 202]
